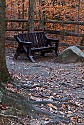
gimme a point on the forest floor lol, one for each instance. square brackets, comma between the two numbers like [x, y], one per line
[57, 88]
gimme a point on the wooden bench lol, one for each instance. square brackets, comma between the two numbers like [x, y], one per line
[35, 41]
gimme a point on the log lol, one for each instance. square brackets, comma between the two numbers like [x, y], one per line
[66, 33]
[48, 21]
[18, 20]
[52, 32]
[64, 22]
[18, 29]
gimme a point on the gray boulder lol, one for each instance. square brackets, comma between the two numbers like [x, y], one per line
[71, 54]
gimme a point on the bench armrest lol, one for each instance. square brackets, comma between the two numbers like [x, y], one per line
[25, 42]
[53, 40]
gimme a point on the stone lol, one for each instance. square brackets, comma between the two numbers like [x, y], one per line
[71, 54]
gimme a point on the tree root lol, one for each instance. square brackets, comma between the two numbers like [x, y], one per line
[16, 118]
[20, 102]
[27, 106]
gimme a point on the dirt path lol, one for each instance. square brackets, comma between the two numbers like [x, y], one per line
[49, 81]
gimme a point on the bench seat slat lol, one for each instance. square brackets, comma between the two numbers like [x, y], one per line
[42, 48]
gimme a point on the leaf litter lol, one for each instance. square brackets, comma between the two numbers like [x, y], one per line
[55, 88]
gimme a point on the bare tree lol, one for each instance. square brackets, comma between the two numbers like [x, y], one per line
[4, 74]
[31, 16]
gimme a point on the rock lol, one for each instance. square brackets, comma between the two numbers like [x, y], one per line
[71, 54]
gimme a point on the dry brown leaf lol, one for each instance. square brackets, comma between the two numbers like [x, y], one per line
[63, 107]
[52, 106]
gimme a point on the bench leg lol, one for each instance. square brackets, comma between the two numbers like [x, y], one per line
[56, 47]
[28, 53]
[17, 52]
[31, 59]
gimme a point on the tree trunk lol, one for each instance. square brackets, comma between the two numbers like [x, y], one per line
[4, 74]
[31, 16]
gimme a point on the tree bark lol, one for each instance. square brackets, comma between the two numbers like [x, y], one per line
[31, 16]
[4, 74]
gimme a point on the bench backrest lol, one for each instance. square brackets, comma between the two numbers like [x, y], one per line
[38, 39]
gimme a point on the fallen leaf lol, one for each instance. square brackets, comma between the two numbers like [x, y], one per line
[52, 106]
